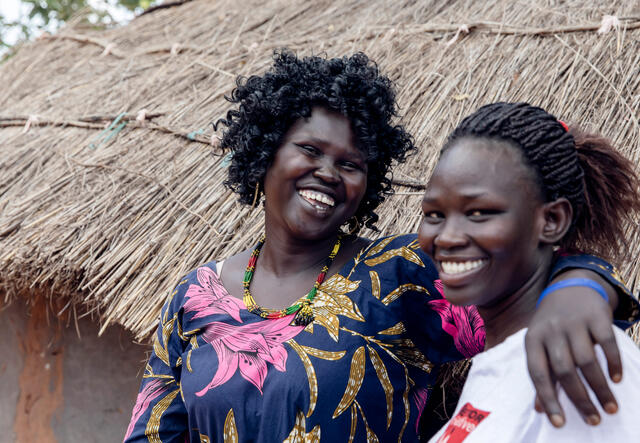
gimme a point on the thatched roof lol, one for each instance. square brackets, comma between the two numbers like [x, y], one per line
[110, 219]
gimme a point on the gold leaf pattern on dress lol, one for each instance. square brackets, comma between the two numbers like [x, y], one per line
[396, 293]
[311, 375]
[204, 438]
[403, 252]
[407, 352]
[298, 433]
[331, 301]
[354, 422]
[380, 246]
[375, 284]
[325, 355]
[194, 345]
[153, 425]
[371, 436]
[396, 329]
[356, 375]
[161, 349]
[383, 376]
[148, 373]
[414, 244]
[230, 431]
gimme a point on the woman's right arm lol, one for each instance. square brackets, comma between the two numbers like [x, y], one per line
[159, 413]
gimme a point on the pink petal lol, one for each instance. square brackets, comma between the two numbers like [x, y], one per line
[253, 369]
[227, 366]
[150, 391]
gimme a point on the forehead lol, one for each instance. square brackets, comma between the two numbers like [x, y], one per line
[474, 162]
[323, 124]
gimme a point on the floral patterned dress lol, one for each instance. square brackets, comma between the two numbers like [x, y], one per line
[361, 371]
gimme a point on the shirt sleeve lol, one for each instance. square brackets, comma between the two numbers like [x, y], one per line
[159, 413]
[628, 310]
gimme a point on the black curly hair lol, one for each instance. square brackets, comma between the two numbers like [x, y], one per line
[269, 104]
[586, 169]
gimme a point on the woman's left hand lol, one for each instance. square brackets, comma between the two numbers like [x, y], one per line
[561, 338]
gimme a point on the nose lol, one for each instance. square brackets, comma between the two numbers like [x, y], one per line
[327, 172]
[451, 235]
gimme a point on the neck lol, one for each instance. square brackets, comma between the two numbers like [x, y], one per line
[514, 312]
[285, 255]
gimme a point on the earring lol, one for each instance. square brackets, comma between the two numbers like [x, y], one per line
[353, 225]
[256, 195]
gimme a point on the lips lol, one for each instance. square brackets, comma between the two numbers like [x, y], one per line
[319, 200]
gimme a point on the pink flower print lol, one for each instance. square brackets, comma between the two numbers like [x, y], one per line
[210, 297]
[463, 323]
[153, 389]
[249, 347]
[420, 398]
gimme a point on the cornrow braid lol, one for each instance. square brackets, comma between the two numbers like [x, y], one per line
[600, 183]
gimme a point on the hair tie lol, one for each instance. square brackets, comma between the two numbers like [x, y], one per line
[574, 282]
[564, 125]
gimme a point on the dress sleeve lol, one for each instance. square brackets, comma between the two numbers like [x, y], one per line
[159, 413]
[628, 311]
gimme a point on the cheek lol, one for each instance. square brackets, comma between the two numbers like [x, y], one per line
[426, 234]
[356, 187]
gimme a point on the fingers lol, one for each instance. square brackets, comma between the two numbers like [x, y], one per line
[603, 335]
[547, 398]
[585, 358]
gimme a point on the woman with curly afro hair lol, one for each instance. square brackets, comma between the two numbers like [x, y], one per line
[315, 333]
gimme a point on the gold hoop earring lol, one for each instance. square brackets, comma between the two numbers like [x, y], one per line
[353, 225]
[256, 195]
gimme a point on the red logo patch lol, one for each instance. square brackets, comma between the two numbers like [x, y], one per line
[463, 424]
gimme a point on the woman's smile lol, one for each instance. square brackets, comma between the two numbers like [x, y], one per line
[318, 177]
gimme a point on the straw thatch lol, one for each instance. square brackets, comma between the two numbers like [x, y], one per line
[109, 219]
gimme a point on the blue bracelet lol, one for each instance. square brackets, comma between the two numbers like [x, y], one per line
[574, 282]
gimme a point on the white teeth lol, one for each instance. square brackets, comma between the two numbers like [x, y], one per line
[452, 267]
[317, 196]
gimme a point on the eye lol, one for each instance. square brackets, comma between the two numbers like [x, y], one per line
[480, 215]
[351, 166]
[433, 216]
[309, 150]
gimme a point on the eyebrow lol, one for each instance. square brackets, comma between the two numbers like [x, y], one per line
[468, 197]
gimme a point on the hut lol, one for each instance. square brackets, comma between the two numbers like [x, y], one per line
[111, 184]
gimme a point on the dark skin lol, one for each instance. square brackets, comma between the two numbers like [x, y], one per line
[483, 204]
[319, 158]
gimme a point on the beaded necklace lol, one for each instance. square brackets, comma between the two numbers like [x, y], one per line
[304, 314]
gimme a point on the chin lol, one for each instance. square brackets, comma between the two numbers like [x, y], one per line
[460, 296]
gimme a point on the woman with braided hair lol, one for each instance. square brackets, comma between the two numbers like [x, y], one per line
[512, 184]
[316, 333]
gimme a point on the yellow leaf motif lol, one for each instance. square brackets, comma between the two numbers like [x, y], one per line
[356, 374]
[298, 434]
[325, 355]
[371, 437]
[396, 293]
[204, 438]
[230, 431]
[403, 252]
[161, 348]
[331, 301]
[311, 375]
[396, 329]
[375, 284]
[153, 425]
[381, 370]
[407, 352]
[380, 246]
[354, 422]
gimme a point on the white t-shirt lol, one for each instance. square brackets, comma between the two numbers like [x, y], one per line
[496, 404]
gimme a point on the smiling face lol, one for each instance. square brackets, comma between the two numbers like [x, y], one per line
[482, 221]
[317, 179]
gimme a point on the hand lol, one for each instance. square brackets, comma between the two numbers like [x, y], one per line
[561, 338]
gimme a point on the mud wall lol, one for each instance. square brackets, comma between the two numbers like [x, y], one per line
[58, 386]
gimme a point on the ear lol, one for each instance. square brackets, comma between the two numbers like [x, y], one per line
[558, 215]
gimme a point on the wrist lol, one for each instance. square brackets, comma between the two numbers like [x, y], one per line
[612, 294]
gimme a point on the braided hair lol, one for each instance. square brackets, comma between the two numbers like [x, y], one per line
[599, 182]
